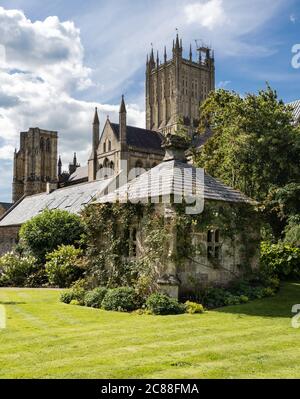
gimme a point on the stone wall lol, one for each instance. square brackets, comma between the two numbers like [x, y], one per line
[8, 238]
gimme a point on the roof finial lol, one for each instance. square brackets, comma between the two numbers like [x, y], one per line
[191, 53]
[157, 59]
[59, 161]
[165, 54]
[75, 159]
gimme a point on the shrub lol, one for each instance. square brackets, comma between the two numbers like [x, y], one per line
[66, 296]
[121, 299]
[161, 304]
[93, 299]
[15, 270]
[75, 302]
[244, 299]
[193, 307]
[77, 292]
[47, 231]
[280, 260]
[63, 266]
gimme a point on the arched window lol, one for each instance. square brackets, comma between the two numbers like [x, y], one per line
[109, 145]
[48, 145]
[104, 147]
[42, 144]
[112, 166]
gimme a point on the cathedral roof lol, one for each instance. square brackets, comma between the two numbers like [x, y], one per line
[81, 173]
[175, 178]
[141, 138]
[72, 199]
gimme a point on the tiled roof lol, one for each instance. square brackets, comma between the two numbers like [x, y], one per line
[80, 174]
[296, 110]
[141, 138]
[174, 178]
[72, 199]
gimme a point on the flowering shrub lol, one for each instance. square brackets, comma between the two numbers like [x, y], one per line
[15, 270]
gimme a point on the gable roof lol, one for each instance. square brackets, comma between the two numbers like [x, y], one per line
[141, 138]
[72, 199]
[175, 178]
[296, 110]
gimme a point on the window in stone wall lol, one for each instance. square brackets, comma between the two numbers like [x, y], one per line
[213, 244]
[109, 145]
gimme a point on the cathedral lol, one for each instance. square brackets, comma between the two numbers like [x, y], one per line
[174, 90]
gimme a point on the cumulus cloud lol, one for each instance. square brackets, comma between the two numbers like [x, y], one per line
[42, 72]
[208, 14]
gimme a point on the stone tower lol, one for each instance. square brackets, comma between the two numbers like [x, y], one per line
[35, 164]
[175, 88]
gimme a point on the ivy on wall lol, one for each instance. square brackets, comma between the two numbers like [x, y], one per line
[109, 242]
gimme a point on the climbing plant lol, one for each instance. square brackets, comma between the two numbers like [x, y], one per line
[109, 242]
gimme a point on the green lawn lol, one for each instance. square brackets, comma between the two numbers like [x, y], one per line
[47, 339]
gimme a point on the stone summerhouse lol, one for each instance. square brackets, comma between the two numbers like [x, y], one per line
[223, 238]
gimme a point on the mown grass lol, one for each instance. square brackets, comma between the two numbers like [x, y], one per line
[47, 339]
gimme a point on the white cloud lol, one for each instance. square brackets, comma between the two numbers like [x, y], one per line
[223, 84]
[293, 18]
[209, 14]
[38, 84]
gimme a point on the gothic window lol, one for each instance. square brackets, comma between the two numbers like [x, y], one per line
[213, 244]
[112, 166]
[42, 144]
[109, 145]
[48, 145]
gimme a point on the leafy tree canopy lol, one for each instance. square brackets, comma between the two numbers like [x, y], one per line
[49, 230]
[255, 146]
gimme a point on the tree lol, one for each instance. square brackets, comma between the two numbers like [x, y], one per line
[47, 231]
[255, 146]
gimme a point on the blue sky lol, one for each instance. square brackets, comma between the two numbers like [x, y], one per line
[64, 57]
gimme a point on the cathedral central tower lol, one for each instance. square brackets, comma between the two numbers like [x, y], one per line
[175, 88]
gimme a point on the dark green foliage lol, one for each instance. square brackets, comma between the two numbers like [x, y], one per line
[280, 260]
[256, 149]
[94, 298]
[282, 212]
[64, 266]
[160, 304]
[238, 292]
[122, 299]
[47, 231]
[16, 271]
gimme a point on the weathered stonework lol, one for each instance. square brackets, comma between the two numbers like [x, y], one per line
[35, 163]
[176, 88]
